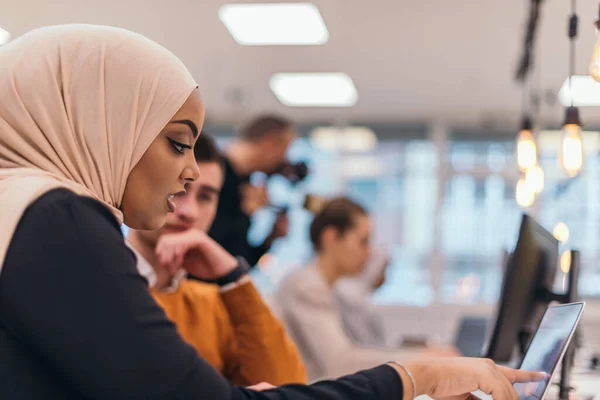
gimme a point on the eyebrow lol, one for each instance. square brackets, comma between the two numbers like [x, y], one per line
[189, 123]
[210, 189]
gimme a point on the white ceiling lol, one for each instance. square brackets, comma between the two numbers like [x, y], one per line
[410, 60]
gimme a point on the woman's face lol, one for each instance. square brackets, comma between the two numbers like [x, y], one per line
[164, 168]
[352, 248]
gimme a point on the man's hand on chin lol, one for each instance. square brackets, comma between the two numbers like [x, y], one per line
[196, 252]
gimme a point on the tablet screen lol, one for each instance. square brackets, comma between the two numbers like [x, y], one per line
[547, 347]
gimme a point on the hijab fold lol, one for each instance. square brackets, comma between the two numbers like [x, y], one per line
[80, 105]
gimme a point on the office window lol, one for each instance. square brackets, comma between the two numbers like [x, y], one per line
[478, 225]
[449, 212]
[576, 203]
[396, 182]
[479, 220]
[405, 219]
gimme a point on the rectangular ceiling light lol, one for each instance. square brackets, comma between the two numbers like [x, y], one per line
[274, 24]
[4, 36]
[586, 92]
[314, 89]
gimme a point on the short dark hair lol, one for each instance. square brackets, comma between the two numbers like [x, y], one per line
[206, 150]
[338, 213]
[262, 126]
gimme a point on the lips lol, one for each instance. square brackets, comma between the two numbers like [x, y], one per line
[170, 203]
[171, 198]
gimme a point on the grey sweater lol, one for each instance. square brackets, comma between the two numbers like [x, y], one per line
[308, 307]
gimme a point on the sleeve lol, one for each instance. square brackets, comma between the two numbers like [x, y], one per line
[254, 253]
[360, 322]
[261, 351]
[355, 291]
[372, 384]
[318, 325]
[79, 305]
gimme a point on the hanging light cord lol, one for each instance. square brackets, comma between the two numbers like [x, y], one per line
[527, 90]
[525, 100]
[536, 82]
[524, 64]
[572, 36]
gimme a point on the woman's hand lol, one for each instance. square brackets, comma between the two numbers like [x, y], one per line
[456, 378]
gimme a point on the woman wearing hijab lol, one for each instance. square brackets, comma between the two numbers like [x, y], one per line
[97, 126]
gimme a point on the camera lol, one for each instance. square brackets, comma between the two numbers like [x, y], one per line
[312, 203]
[293, 172]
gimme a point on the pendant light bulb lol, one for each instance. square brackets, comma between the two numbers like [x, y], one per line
[571, 148]
[565, 261]
[526, 146]
[524, 194]
[535, 178]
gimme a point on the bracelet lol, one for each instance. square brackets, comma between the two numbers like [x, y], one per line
[412, 378]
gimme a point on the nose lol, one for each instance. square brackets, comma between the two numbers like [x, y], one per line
[186, 208]
[191, 172]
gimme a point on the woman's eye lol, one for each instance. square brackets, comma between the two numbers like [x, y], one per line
[179, 147]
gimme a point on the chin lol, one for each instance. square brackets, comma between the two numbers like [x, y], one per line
[147, 222]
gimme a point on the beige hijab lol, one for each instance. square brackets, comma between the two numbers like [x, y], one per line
[79, 106]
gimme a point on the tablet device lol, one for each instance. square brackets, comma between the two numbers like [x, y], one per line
[548, 347]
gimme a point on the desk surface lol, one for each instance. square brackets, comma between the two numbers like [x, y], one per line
[587, 387]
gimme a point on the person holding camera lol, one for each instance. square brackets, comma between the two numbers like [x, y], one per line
[261, 146]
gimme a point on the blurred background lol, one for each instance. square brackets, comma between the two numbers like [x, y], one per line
[412, 108]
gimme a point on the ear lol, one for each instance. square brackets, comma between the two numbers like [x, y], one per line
[329, 236]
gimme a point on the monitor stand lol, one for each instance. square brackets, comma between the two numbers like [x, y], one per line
[524, 337]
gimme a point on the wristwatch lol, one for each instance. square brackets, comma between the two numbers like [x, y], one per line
[242, 269]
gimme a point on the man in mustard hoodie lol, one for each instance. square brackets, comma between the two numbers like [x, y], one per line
[227, 322]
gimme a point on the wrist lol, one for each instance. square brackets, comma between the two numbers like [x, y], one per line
[414, 378]
[227, 268]
[239, 270]
[421, 375]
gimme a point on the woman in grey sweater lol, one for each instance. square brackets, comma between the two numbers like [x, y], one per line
[307, 301]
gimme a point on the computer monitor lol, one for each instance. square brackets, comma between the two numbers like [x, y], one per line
[528, 279]
[470, 335]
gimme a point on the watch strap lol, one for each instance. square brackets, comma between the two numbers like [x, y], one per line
[240, 270]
